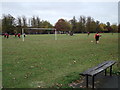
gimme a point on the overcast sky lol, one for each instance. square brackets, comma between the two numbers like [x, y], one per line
[52, 11]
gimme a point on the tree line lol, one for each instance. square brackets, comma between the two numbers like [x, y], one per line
[14, 25]
[85, 24]
[82, 25]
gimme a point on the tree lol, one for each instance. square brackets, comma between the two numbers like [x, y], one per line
[114, 28]
[19, 21]
[24, 23]
[19, 25]
[74, 24]
[38, 22]
[94, 27]
[8, 24]
[81, 24]
[109, 27]
[46, 24]
[0, 26]
[119, 28]
[91, 25]
[63, 25]
[33, 22]
[79, 27]
[98, 28]
[108, 24]
[103, 27]
[89, 19]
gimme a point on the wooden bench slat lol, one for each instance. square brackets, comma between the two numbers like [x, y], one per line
[98, 68]
[99, 65]
[101, 69]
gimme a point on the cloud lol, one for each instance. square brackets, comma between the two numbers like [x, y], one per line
[52, 11]
[59, 0]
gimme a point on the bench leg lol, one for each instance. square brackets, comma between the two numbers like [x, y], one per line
[105, 72]
[110, 70]
[86, 81]
[93, 82]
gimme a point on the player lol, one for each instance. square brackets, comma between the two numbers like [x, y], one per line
[19, 35]
[24, 34]
[97, 36]
[7, 35]
[88, 33]
[15, 34]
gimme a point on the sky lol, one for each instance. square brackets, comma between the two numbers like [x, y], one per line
[52, 10]
[119, 13]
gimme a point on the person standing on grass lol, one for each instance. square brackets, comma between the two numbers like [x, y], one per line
[88, 33]
[7, 35]
[24, 34]
[97, 36]
[19, 35]
[15, 34]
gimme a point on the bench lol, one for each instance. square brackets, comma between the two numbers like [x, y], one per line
[96, 70]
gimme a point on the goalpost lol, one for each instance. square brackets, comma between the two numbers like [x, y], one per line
[50, 29]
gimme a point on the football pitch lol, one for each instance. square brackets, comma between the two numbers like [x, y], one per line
[41, 61]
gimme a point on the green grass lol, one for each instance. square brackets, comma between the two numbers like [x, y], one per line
[42, 61]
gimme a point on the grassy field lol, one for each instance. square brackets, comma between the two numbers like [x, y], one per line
[41, 61]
